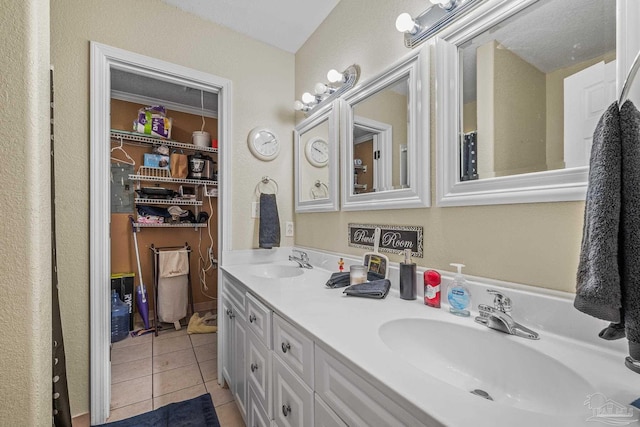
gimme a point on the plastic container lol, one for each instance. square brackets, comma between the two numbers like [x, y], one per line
[407, 277]
[201, 139]
[458, 295]
[119, 318]
[432, 281]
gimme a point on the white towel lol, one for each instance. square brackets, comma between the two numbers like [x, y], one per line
[173, 263]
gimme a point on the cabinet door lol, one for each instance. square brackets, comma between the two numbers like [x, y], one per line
[356, 401]
[227, 341]
[256, 414]
[259, 370]
[324, 416]
[292, 400]
[239, 379]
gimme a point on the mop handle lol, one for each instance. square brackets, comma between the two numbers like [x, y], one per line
[135, 240]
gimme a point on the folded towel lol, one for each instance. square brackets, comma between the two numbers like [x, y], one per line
[269, 234]
[173, 263]
[630, 226]
[343, 278]
[376, 289]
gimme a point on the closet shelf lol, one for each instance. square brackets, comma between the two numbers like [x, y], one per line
[139, 225]
[174, 180]
[178, 202]
[149, 140]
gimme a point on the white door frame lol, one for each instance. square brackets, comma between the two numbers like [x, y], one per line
[103, 59]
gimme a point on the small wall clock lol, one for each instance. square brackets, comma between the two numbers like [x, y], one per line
[317, 152]
[263, 143]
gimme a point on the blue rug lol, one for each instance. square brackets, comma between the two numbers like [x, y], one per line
[196, 412]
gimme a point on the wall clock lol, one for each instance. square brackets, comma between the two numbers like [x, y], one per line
[263, 143]
[317, 152]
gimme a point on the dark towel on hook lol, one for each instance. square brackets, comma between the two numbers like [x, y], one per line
[608, 285]
[269, 234]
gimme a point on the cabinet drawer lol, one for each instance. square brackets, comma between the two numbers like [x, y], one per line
[234, 291]
[256, 415]
[294, 348]
[324, 416]
[293, 399]
[355, 400]
[259, 317]
[258, 362]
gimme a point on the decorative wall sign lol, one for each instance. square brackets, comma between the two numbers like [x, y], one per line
[393, 238]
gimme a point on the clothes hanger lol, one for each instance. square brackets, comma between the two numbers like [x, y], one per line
[627, 82]
[128, 161]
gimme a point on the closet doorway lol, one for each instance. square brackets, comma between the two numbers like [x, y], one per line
[122, 83]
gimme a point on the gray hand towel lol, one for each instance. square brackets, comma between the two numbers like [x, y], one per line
[376, 289]
[598, 290]
[629, 260]
[269, 234]
[608, 285]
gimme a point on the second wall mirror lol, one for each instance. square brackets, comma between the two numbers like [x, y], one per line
[385, 139]
[316, 161]
[521, 87]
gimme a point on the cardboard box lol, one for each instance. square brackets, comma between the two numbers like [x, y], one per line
[122, 283]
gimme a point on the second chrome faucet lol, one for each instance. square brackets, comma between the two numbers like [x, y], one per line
[497, 317]
[302, 259]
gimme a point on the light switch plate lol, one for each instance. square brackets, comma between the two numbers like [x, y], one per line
[255, 209]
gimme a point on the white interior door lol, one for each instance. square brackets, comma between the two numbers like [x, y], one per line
[587, 94]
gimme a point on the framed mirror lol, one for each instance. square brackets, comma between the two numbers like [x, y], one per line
[316, 161]
[385, 139]
[521, 87]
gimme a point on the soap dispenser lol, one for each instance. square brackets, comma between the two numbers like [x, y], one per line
[407, 277]
[458, 294]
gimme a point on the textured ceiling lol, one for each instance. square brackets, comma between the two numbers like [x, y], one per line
[550, 35]
[286, 24]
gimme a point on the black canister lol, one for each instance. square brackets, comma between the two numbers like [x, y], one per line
[407, 277]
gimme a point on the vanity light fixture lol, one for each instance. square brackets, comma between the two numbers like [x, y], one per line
[339, 83]
[431, 20]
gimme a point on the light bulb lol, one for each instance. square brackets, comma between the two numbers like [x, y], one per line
[406, 24]
[335, 76]
[307, 98]
[298, 106]
[320, 88]
[445, 4]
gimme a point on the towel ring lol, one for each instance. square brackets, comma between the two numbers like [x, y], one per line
[264, 184]
[319, 190]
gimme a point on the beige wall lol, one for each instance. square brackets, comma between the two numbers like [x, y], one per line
[25, 275]
[520, 115]
[537, 244]
[262, 78]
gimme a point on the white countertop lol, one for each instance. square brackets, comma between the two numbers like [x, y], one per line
[347, 327]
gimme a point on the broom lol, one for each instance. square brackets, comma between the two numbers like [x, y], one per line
[141, 291]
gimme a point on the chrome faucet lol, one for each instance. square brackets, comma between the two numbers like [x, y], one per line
[302, 260]
[497, 317]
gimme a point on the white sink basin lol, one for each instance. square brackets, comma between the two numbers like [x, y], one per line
[269, 271]
[471, 358]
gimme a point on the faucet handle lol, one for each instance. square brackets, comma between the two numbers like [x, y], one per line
[303, 255]
[500, 302]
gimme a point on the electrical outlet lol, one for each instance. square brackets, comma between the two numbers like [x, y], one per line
[288, 231]
[255, 209]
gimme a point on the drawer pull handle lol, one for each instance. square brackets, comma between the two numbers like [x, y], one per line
[254, 367]
[252, 318]
[231, 315]
[286, 347]
[229, 312]
[286, 410]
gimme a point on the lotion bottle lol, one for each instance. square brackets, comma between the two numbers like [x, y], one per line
[407, 277]
[458, 294]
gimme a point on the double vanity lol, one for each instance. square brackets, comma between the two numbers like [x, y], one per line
[296, 353]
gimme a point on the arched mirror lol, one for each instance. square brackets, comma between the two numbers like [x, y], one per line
[385, 149]
[521, 86]
[316, 161]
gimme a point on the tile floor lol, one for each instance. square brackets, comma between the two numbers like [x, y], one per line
[148, 372]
